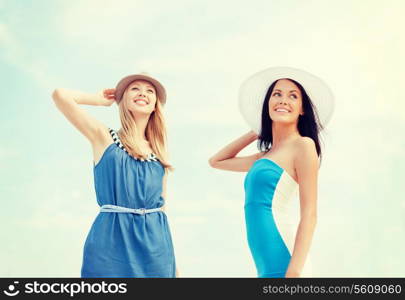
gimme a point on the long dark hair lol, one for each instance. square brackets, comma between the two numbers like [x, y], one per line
[308, 124]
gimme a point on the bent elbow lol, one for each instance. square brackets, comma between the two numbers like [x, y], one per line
[212, 162]
[57, 94]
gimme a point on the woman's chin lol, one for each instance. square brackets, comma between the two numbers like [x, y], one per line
[140, 111]
[283, 119]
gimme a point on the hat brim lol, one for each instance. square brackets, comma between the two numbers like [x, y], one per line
[253, 91]
[126, 81]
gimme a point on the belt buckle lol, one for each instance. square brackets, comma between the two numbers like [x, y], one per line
[142, 211]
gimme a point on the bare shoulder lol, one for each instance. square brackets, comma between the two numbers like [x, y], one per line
[306, 150]
[305, 144]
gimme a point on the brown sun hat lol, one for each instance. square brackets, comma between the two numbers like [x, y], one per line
[126, 81]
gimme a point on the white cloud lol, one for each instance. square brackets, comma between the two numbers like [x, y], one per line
[8, 154]
[112, 23]
[8, 41]
[15, 52]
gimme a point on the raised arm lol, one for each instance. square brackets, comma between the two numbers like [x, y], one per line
[226, 158]
[67, 101]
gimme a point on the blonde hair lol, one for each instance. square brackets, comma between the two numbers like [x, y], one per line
[155, 133]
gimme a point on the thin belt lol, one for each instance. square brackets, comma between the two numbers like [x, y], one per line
[121, 209]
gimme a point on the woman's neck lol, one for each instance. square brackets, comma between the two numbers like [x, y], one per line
[141, 122]
[283, 133]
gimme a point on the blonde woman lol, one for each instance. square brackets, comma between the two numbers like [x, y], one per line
[130, 237]
[286, 109]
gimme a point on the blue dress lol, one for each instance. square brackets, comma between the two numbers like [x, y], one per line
[271, 216]
[127, 244]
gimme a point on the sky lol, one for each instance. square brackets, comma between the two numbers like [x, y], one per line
[202, 51]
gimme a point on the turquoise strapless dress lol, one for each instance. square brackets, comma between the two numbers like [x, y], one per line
[271, 216]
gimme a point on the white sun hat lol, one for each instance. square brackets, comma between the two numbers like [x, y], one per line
[253, 91]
